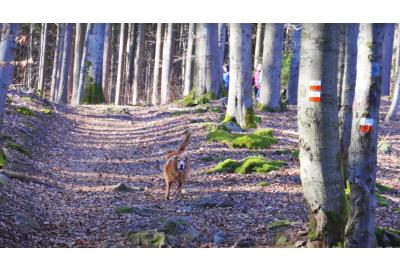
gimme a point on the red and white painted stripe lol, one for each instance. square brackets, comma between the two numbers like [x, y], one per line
[314, 91]
[365, 125]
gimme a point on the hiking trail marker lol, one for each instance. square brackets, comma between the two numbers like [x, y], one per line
[314, 91]
[365, 125]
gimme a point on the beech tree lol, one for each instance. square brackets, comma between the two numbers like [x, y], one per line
[155, 99]
[394, 106]
[387, 57]
[120, 64]
[7, 55]
[293, 80]
[138, 85]
[82, 72]
[106, 61]
[42, 57]
[79, 30]
[271, 68]
[240, 103]
[360, 229]
[258, 46]
[166, 63]
[317, 119]
[57, 62]
[188, 82]
[66, 59]
[207, 70]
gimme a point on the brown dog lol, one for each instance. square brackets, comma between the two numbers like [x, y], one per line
[176, 168]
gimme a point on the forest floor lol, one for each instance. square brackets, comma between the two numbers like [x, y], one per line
[73, 158]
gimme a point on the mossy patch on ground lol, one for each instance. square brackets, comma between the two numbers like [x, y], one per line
[191, 99]
[382, 188]
[279, 225]
[24, 111]
[387, 237]
[250, 164]
[263, 184]
[3, 159]
[19, 148]
[296, 153]
[263, 132]
[250, 141]
[124, 210]
[381, 200]
[257, 119]
[282, 151]
[147, 239]
[45, 111]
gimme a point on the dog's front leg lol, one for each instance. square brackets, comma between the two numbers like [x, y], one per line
[168, 190]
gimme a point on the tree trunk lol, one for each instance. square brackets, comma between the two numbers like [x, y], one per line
[240, 102]
[82, 72]
[166, 64]
[258, 46]
[360, 229]
[189, 61]
[106, 62]
[120, 64]
[155, 100]
[129, 58]
[394, 106]
[77, 61]
[66, 59]
[221, 42]
[30, 57]
[43, 42]
[93, 92]
[138, 86]
[346, 103]
[340, 75]
[7, 55]
[387, 57]
[293, 81]
[317, 120]
[207, 69]
[271, 74]
[56, 62]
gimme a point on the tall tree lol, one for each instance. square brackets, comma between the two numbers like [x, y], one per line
[293, 80]
[258, 46]
[387, 57]
[79, 30]
[42, 58]
[82, 72]
[120, 64]
[30, 57]
[342, 45]
[207, 69]
[7, 55]
[347, 97]
[188, 82]
[221, 42]
[240, 103]
[360, 229]
[166, 63]
[138, 85]
[394, 106]
[155, 99]
[57, 61]
[106, 62]
[271, 71]
[317, 120]
[129, 62]
[66, 59]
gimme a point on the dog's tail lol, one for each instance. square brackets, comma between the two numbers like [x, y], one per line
[185, 141]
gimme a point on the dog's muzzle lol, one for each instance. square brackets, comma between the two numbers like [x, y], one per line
[181, 167]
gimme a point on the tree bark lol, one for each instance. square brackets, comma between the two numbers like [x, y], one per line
[271, 74]
[129, 63]
[240, 103]
[106, 62]
[207, 69]
[340, 75]
[258, 46]
[82, 72]
[360, 229]
[387, 57]
[166, 64]
[77, 61]
[155, 100]
[293, 81]
[221, 42]
[43, 43]
[138, 86]
[394, 106]
[347, 98]
[56, 62]
[120, 64]
[66, 59]
[30, 57]
[189, 61]
[7, 55]
[317, 120]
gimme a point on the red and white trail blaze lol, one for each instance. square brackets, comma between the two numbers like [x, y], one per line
[365, 125]
[314, 91]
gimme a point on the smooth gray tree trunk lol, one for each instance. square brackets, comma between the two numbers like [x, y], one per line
[129, 63]
[155, 99]
[79, 29]
[387, 57]
[317, 120]
[82, 72]
[189, 61]
[340, 75]
[138, 85]
[106, 62]
[293, 81]
[30, 57]
[347, 97]
[7, 55]
[207, 70]
[240, 102]
[120, 64]
[66, 59]
[166, 64]
[221, 42]
[258, 46]
[42, 57]
[56, 62]
[394, 106]
[271, 68]
[360, 229]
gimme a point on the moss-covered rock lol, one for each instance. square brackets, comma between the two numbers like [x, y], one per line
[251, 164]
[191, 99]
[264, 132]
[253, 141]
[147, 239]
[24, 111]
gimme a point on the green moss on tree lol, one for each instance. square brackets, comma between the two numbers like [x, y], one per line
[249, 121]
[285, 68]
[93, 94]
